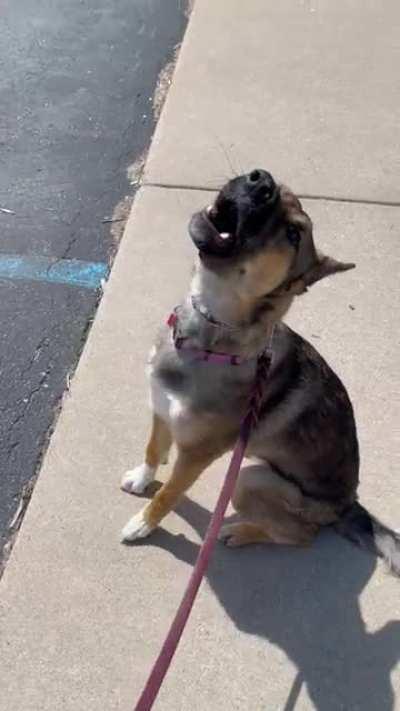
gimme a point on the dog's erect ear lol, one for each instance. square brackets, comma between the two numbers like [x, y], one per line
[325, 266]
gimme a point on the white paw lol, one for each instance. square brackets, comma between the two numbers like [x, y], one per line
[137, 480]
[136, 528]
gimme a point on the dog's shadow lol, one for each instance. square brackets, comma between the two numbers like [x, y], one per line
[306, 603]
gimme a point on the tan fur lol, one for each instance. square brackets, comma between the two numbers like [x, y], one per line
[272, 530]
[274, 511]
[259, 275]
[241, 534]
[189, 464]
[192, 459]
[267, 270]
[159, 443]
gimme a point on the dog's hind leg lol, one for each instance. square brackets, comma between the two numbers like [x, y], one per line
[242, 533]
[288, 532]
[271, 508]
[135, 481]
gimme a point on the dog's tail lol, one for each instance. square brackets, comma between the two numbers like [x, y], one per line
[366, 531]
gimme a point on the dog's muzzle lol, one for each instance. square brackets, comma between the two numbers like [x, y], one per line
[207, 238]
[218, 230]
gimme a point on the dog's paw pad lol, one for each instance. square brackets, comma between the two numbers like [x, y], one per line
[136, 528]
[137, 480]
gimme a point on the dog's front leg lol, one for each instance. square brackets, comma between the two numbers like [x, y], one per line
[190, 463]
[135, 481]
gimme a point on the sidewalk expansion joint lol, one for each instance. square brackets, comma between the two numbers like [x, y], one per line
[302, 196]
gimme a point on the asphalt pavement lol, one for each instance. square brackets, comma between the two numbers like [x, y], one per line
[76, 87]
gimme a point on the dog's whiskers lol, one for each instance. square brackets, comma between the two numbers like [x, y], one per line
[227, 157]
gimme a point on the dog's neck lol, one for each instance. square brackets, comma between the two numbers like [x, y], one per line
[218, 298]
[215, 317]
[199, 306]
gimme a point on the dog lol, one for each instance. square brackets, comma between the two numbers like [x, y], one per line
[256, 254]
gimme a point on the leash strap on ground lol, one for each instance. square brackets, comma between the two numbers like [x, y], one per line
[171, 642]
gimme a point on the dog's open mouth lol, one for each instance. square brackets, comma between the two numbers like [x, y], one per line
[214, 230]
[224, 216]
[239, 212]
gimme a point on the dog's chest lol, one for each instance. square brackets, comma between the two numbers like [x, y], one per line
[166, 404]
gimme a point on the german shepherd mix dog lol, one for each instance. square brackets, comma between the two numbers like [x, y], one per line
[256, 254]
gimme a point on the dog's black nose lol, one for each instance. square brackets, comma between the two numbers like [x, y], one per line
[261, 184]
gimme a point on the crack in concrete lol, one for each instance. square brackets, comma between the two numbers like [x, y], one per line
[302, 196]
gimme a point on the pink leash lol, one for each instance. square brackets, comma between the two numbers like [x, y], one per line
[171, 642]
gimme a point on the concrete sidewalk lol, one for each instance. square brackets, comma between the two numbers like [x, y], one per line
[308, 91]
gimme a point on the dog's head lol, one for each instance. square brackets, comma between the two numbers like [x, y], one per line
[258, 234]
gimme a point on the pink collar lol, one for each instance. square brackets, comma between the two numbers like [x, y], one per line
[206, 355]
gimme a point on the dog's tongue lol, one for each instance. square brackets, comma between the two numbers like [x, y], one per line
[206, 236]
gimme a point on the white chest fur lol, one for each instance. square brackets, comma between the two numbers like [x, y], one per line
[166, 405]
[186, 426]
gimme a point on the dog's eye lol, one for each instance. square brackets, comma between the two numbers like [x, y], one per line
[293, 235]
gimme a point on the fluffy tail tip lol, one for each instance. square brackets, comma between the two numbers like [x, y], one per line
[366, 531]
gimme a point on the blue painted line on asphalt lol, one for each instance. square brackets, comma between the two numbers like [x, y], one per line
[74, 272]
